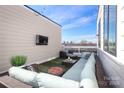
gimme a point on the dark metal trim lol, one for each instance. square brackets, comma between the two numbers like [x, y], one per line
[41, 14]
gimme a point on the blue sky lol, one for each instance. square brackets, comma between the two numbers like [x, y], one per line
[78, 21]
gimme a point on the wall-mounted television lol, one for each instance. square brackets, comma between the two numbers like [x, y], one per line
[41, 40]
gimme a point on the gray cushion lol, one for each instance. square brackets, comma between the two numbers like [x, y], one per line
[74, 72]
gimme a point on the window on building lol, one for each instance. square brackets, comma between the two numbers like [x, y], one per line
[110, 28]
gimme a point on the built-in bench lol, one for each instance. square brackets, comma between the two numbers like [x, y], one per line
[82, 74]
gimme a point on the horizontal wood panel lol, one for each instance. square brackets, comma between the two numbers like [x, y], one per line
[18, 29]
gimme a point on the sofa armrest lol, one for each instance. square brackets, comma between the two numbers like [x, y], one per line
[23, 75]
[51, 81]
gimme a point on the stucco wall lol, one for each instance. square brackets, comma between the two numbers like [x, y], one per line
[120, 32]
[18, 29]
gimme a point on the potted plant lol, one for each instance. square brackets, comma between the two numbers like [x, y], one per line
[18, 60]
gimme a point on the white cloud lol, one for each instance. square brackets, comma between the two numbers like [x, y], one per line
[79, 22]
[62, 17]
[90, 37]
[64, 13]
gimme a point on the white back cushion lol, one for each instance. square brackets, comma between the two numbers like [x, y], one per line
[23, 75]
[88, 78]
[51, 81]
[88, 83]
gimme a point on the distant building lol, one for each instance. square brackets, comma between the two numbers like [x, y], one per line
[80, 47]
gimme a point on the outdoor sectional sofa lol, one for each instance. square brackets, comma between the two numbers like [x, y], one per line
[81, 75]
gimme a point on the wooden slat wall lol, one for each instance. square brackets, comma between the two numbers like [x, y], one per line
[18, 28]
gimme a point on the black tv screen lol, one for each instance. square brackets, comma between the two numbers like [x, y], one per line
[41, 40]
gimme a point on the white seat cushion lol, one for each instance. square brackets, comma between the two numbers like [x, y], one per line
[88, 83]
[51, 81]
